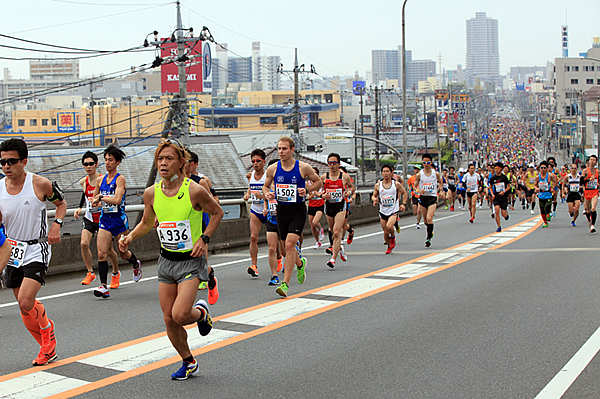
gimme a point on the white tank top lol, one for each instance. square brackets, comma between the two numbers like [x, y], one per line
[256, 186]
[472, 182]
[24, 217]
[428, 183]
[388, 199]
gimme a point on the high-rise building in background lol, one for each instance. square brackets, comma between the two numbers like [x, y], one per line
[483, 57]
[387, 64]
[53, 69]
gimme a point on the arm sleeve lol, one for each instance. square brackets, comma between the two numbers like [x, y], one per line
[82, 200]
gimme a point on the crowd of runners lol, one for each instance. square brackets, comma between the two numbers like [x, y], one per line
[284, 194]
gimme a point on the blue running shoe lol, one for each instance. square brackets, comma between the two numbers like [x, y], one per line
[274, 280]
[573, 224]
[205, 322]
[186, 370]
[499, 229]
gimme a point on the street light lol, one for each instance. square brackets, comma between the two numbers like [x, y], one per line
[404, 142]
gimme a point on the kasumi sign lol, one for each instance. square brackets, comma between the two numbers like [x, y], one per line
[193, 68]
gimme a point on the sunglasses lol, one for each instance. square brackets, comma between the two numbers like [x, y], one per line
[333, 162]
[10, 161]
[257, 160]
[427, 163]
[89, 163]
[543, 167]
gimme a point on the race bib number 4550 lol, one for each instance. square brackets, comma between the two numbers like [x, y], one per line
[175, 236]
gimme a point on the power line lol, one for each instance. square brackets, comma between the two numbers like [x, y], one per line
[77, 49]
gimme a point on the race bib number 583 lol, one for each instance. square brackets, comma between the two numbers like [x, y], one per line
[18, 251]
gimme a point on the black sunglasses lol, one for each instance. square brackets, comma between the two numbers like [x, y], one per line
[9, 161]
[89, 163]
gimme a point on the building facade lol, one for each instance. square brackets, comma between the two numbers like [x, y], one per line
[483, 56]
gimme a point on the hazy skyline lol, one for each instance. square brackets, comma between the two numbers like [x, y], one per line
[336, 36]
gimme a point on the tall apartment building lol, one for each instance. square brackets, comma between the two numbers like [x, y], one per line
[53, 69]
[483, 57]
[387, 64]
[240, 69]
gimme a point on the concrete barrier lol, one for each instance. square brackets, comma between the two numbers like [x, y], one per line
[234, 233]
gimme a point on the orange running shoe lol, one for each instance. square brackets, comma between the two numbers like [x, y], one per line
[89, 277]
[115, 280]
[213, 293]
[253, 271]
[48, 350]
[279, 264]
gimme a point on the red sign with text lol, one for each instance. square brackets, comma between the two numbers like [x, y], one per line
[193, 68]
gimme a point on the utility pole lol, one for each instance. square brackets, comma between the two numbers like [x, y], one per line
[362, 133]
[130, 121]
[377, 166]
[404, 141]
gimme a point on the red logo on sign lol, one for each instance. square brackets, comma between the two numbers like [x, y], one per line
[193, 68]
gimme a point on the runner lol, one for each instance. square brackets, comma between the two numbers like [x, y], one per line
[316, 207]
[337, 187]
[113, 221]
[91, 218]
[429, 183]
[589, 181]
[178, 203]
[545, 184]
[446, 187]
[499, 189]
[571, 187]
[290, 176]
[347, 228]
[386, 193]
[451, 187]
[256, 179]
[23, 197]
[530, 191]
[414, 193]
[275, 244]
[472, 182]
[461, 189]
[552, 170]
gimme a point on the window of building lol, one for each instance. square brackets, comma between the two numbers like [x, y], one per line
[268, 120]
[108, 141]
[598, 82]
[567, 68]
[21, 122]
[227, 123]
[287, 119]
[45, 122]
[208, 123]
[53, 121]
[574, 81]
[367, 118]
[88, 121]
[589, 81]
[33, 122]
[575, 68]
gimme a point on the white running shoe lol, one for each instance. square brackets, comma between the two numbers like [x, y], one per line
[321, 235]
[343, 256]
[533, 213]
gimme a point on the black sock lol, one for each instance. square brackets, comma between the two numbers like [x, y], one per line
[133, 260]
[211, 279]
[554, 206]
[594, 218]
[523, 202]
[533, 206]
[189, 359]
[587, 215]
[330, 238]
[103, 271]
[429, 231]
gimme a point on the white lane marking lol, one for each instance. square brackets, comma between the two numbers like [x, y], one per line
[485, 240]
[398, 271]
[356, 288]
[138, 355]
[69, 293]
[38, 385]
[278, 312]
[468, 247]
[438, 258]
[508, 233]
[569, 373]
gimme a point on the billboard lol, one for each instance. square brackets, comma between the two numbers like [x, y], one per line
[206, 68]
[193, 68]
[67, 121]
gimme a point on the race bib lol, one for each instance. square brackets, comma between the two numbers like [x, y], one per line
[273, 207]
[499, 187]
[387, 201]
[445, 186]
[336, 194]
[287, 192]
[109, 208]
[532, 180]
[91, 209]
[18, 251]
[574, 187]
[592, 184]
[472, 186]
[544, 186]
[429, 188]
[175, 236]
[254, 198]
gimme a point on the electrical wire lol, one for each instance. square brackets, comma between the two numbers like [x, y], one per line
[77, 50]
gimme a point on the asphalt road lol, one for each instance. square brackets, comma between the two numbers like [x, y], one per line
[474, 316]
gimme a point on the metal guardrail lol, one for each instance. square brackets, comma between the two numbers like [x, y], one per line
[240, 201]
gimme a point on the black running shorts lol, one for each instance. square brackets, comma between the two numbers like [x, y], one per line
[290, 219]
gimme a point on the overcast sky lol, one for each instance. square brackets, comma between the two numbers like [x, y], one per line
[337, 36]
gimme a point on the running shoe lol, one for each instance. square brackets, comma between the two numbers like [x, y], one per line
[331, 263]
[397, 227]
[329, 251]
[452, 208]
[205, 321]
[492, 215]
[553, 214]
[428, 242]
[321, 235]
[48, 349]
[343, 255]
[137, 272]
[301, 272]
[507, 217]
[213, 293]
[89, 277]
[187, 369]
[499, 229]
[203, 285]
[592, 229]
[549, 216]
[388, 251]
[573, 224]
[253, 271]
[274, 280]
[101, 292]
[279, 264]
[393, 242]
[471, 220]
[418, 227]
[115, 280]
[350, 236]
[446, 207]
[318, 245]
[544, 225]
[283, 289]
[532, 212]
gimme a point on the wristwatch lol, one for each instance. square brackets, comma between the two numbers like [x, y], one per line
[59, 222]
[205, 238]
